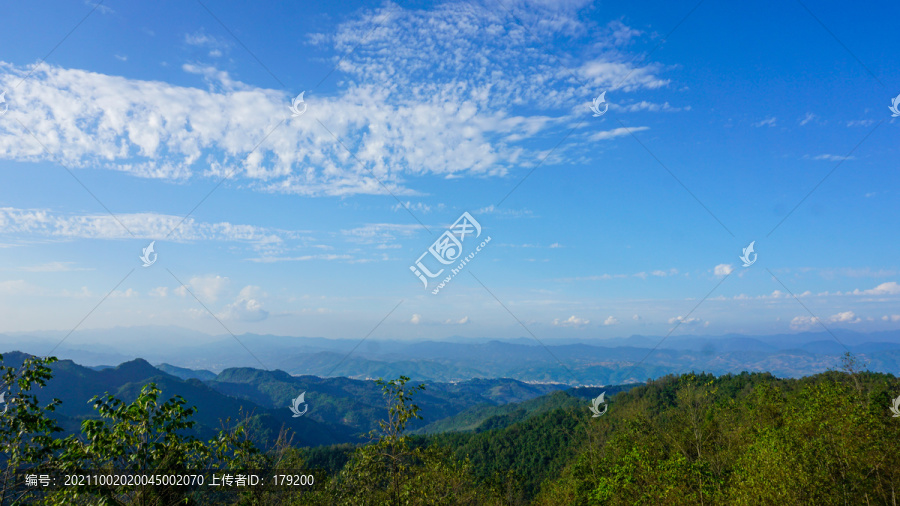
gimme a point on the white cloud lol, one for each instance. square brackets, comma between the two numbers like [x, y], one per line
[417, 207]
[99, 7]
[600, 277]
[572, 321]
[603, 277]
[888, 288]
[832, 158]
[462, 321]
[381, 233]
[865, 272]
[611, 321]
[302, 258]
[892, 318]
[246, 307]
[723, 269]
[50, 266]
[206, 288]
[605, 74]
[452, 91]
[684, 321]
[806, 119]
[492, 209]
[643, 105]
[770, 121]
[214, 44]
[159, 291]
[479, 42]
[616, 132]
[142, 225]
[156, 130]
[845, 317]
[803, 322]
[19, 287]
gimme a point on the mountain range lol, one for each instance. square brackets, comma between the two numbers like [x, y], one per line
[607, 361]
[340, 410]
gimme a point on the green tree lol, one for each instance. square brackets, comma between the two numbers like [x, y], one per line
[145, 436]
[391, 471]
[376, 474]
[26, 428]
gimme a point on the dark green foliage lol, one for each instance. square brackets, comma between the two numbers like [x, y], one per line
[391, 471]
[741, 439]
[520, 456]
[26, 428]
[353, 407]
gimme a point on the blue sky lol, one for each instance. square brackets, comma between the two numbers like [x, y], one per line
[726, 124]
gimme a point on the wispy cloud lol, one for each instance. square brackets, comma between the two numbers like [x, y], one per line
[572, 321]
[215, 45]
[643, 105]
[54, 267]
[832, 158]
[603, 277]
[616, 132]
[206, 288]
[516, 213]
[38, 222]
[689, 321]
[470, 115]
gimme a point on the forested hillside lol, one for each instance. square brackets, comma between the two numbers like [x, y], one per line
[749, 438]
[695, 439]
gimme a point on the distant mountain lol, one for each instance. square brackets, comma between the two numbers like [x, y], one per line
[601, 361]
[484, 417]
[360, 404]
[185, 373]
[75, 385]
[340, 410]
